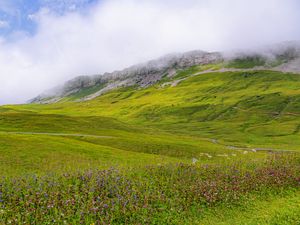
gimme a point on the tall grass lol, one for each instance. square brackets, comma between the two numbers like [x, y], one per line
[158, 193]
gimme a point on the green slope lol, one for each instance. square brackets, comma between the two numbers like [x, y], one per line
[33, 142]
[280, 209]
[255, 109]
[202, 114]
[213, 118]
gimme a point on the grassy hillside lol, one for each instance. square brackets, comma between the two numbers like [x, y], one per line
[202, 114]
[247, 62]
[206, 119]
[255, 109]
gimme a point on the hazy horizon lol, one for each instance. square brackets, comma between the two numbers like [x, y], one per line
[44, 43]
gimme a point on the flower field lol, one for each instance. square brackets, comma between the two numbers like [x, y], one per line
[153, 195]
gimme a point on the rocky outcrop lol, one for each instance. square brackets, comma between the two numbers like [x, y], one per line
[142, 75]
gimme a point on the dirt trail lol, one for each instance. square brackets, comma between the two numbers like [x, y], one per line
[215, 141]
[222, 70]
[174, 83]
[55, 134]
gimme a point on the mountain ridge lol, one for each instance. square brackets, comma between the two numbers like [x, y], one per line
[283, 57]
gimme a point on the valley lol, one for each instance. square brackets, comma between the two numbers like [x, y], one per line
[217, 128]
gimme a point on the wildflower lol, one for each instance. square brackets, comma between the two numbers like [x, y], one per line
[194, 160]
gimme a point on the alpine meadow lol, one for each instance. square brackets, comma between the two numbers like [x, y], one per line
[193, 137]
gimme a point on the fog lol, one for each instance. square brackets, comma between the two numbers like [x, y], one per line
[114, 34]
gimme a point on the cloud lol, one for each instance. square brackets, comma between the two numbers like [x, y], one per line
[4, 24]
[7, 7]
[60, 6]
[114, 34]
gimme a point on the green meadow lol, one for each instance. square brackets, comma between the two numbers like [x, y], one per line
[172, 138]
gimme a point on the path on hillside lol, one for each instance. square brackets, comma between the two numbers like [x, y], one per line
[222, 70]
[55, 134]
[257, 68]
[254, 149]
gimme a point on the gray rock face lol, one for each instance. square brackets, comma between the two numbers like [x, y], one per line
[142, 75]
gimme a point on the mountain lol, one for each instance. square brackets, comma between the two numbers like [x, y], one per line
[189, 115]
[142, 75]
[205, 136]
[281, 57]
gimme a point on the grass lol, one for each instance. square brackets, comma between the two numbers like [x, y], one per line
[118, 143]
[201, 123]
[40, 154]
[85, 92]
[247, 62]
[282, 209]
[169, 194]
[238, 108]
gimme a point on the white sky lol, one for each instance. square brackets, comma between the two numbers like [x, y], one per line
[118, 33]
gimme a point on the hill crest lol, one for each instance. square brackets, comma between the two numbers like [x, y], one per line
[283, 57]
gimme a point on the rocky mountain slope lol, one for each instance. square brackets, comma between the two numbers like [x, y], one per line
[282, 57]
